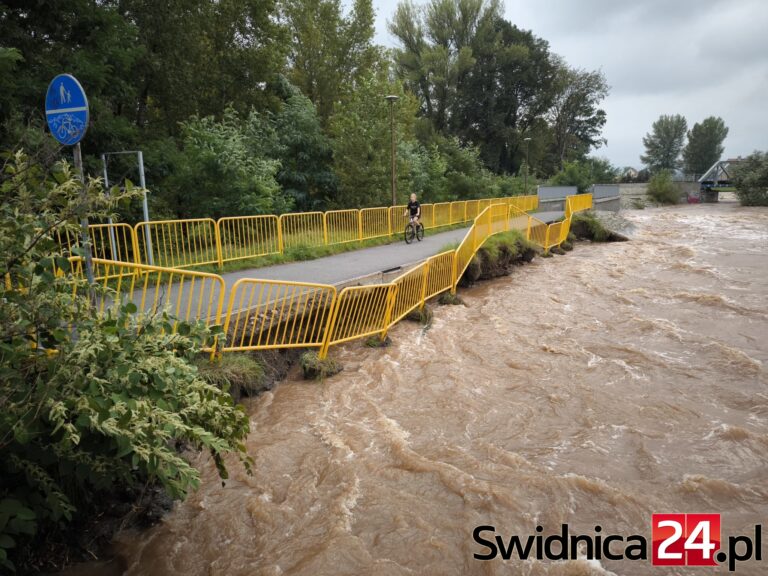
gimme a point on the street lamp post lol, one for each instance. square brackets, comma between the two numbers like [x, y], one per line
[392, 99]
[527, 141]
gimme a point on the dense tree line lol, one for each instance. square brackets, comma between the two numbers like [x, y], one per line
[245, 106]
[666, 148]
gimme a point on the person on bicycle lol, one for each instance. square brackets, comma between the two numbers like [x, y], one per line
[414, 210]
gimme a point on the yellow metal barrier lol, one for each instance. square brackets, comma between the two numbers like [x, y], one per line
[472, 209]
[360, 311]
[398, 217]
[442, 214]
[410, 291]
[179, 243]
[264, 314]
[555, 232]
[343, 226]
[114, 242]
[577, 203]
[524, 203]
[303, 229]
[427, 216]
[518, 220]
[439, 274]
[458, 212]
[375, 222]
[187, 295]
[248, 237]
[537, 231]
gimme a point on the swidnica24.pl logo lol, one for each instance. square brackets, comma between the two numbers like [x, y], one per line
[676, 540]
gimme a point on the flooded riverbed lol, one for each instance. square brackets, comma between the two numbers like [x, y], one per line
[594, 388]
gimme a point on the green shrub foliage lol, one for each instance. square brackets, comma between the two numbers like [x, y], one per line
[662, 189]
[751, 180]
[88, 403]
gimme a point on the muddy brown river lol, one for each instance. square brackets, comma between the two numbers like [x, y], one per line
[590, 389]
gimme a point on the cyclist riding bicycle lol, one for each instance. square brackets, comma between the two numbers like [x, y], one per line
[414, 209]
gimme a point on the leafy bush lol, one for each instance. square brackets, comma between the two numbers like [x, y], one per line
[88, 403]
[662, 189]
[751, 180]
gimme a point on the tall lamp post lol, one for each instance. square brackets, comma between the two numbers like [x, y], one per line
[392, 98]
[527, 142]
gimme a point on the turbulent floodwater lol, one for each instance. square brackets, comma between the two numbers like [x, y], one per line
[594, 388]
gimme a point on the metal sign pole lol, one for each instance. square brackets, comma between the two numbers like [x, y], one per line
[143, 185]
[86, 241]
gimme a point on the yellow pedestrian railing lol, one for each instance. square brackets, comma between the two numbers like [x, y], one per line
[577, 203]
[374, 223]
[303, 229]
[179, 243]
[204, 241]
[265, 314]
[427, 217]
[271, 314]
[112, 242]
[537, 232]
[245, 237]
[459, 212]
[360, 311]
[524, 203]
[343, 226]
[186, 295]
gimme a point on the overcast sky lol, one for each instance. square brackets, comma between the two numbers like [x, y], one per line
[697, 58]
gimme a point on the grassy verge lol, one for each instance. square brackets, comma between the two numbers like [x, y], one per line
[587, 226]
[497, 256]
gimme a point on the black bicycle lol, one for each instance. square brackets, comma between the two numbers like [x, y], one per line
[414, 229]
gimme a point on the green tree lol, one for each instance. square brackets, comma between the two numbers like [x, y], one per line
[225, 168]
[705, 145]
[664, 143]
[662, 189]
[575, 117]
[601, 170]
[90, 40]
[751, 180]
[574, 174]
[505, 94]
[436, 54]
[304, 152]
[360, 129]
[200, 57]
[329, 51]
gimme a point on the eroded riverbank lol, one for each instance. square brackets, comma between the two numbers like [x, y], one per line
[594, 388]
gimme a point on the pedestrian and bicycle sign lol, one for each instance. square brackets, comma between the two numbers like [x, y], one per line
[66, 109]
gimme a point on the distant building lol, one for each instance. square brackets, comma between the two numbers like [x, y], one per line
[629, 174]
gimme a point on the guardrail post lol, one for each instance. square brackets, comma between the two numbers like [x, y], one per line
[528, 229]
[424, 284]
[217, 235]
[454, 272]
[280, 247]
[391, 296]
[360, 225]
[325, 228]
[332, 315]
[389, 222]
[546, 238]
[135, 245]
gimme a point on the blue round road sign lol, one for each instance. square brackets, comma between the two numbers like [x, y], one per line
[66, 108]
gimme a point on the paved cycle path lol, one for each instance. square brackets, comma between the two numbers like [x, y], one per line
[347, 266]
